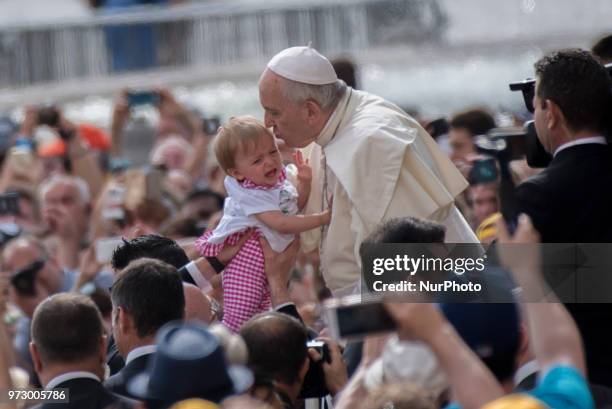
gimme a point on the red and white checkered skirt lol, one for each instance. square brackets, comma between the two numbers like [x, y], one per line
[245, 286]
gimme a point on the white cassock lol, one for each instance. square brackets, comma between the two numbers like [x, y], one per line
[380, 164]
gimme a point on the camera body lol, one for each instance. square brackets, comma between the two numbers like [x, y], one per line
[314, 381]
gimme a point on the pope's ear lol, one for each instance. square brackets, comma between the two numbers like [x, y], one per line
[313, 110]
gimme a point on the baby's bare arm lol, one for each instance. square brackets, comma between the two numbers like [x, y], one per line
[288, 224]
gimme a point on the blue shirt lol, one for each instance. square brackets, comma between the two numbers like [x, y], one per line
[563, 387]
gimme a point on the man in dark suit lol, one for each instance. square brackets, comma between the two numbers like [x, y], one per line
[571, 200]
[69, 351]
[147, 294]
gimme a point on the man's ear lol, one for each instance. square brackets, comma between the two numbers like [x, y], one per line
[124, 320]
[304, 369]
[38, 365]
[103, 345]
[554, 116]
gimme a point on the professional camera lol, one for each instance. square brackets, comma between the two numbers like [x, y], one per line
[535, 152]
[314, 381]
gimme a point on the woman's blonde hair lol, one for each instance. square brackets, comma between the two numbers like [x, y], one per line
[238, 134]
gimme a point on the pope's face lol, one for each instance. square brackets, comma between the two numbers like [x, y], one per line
[288, 121]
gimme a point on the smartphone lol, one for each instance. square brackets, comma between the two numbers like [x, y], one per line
[106, 247]
[484, 171]
[48, 115]
[137, 98]
[9, 204]
[154, 177]
[211, 125]
[24, 279]
[349, 320]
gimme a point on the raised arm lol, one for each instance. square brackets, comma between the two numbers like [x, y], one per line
[554, 336]
[471, 382]
[288, 224]
[304, 179]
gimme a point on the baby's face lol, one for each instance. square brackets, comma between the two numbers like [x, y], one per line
[261, 164]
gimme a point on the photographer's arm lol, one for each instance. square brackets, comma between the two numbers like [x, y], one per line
[5, 363]
[121, 113]
[336, 375]
[169, 107]
[85, 165]
[553, 333]
[472, 384]
[355, 392]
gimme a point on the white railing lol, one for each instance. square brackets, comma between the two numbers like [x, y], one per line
[214, 35]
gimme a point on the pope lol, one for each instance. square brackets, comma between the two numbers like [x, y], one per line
[370, 160]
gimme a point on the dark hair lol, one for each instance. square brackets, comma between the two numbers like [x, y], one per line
[603, 49]
[405, 230]
[151, 246]
[477, 121]
[579, 84]
[277, 345]
[203, 194]
[67, 327]
[345, 70]
[491, 330]
[151, 291]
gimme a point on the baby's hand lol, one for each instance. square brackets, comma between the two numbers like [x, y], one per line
[326, 217]
[304, 170]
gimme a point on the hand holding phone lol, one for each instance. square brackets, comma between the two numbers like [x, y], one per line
[138, 98]
[211, 125]
[9, 204]
[24, 280]
[348, 319]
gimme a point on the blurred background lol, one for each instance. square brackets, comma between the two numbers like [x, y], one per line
[439, 55]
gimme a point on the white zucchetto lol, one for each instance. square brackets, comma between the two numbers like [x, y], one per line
[303, 64]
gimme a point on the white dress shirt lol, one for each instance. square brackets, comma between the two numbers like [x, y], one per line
[53, 383]
[140, 351]
[582, 141]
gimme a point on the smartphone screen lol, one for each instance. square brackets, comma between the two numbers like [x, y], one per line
[483, 171]
[137, 98]
[359, 320]
[210, 126]
[9, 204]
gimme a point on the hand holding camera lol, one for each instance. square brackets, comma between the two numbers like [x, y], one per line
[328, 353]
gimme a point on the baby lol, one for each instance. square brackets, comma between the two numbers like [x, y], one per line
[259, 196]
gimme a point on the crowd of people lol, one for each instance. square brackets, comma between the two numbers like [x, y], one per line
[197, 281]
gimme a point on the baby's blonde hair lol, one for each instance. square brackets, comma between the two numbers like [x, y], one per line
[238, 134]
